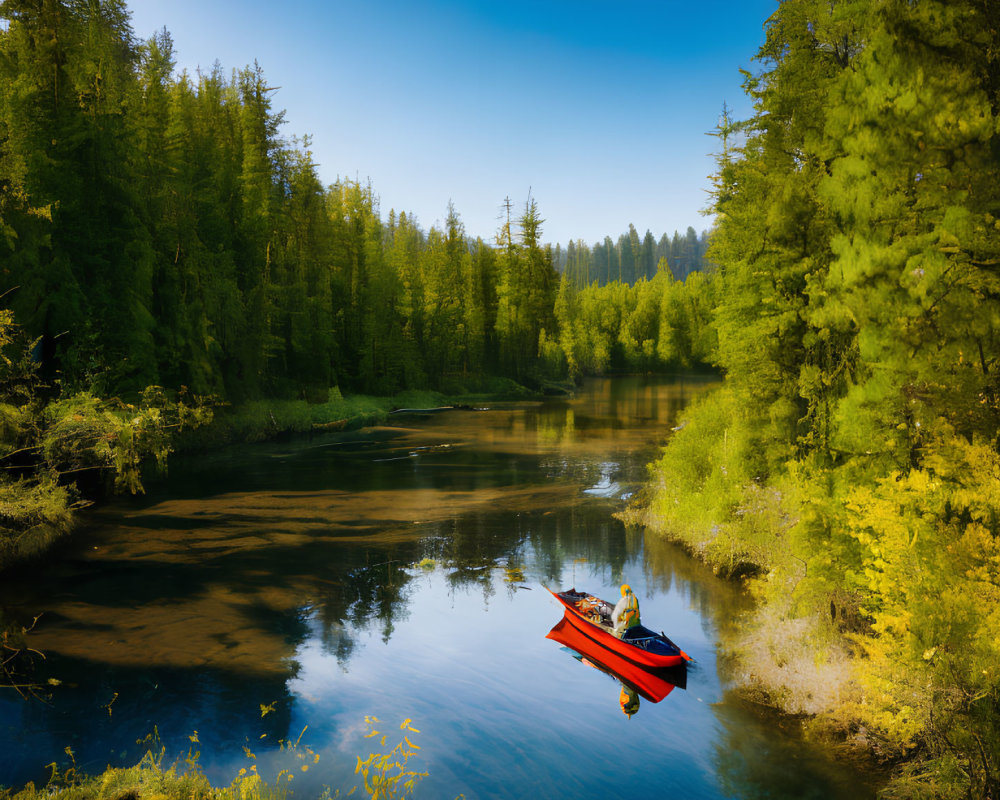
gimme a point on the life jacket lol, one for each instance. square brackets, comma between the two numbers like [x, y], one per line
[630, 616]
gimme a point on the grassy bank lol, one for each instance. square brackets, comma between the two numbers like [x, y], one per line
[876, 595]
[266, 419]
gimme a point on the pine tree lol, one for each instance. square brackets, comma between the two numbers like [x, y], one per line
[70, 83]
[526, 292]
[648, 258]
[858, 327]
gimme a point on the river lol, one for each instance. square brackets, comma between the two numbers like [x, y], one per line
[399, 572]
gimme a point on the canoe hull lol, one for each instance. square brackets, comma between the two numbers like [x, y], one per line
[652, 684]
[665, 654]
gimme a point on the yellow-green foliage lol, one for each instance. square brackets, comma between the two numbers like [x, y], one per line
[33, 514]
[26, 504]
[384, 775]
[880, 602]
[930, 576]
[47, 445]
[147, 779]
[709, 491]
[655, 324]
[83, 432]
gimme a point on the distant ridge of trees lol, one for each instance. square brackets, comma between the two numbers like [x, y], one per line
[631, 258]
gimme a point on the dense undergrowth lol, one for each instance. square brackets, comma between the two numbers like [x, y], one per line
[58, 448]
[877, 603]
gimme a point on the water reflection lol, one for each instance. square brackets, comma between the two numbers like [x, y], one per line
[634, 681]
[757, 758]
[397, 571]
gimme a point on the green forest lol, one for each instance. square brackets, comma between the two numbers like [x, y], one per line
[159, 229]
[849, 467]
[166, 248]
[166, 252]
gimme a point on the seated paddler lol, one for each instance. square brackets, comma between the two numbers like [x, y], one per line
[626, 613]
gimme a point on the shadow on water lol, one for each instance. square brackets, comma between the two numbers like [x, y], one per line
[759, 756]
[392, 571]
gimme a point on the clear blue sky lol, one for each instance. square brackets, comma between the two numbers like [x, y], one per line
[599, 109]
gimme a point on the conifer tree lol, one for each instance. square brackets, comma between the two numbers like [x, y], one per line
[648, 257]
[857, 325]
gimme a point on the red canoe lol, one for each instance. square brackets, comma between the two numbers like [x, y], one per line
[652, 684]
[592, 617]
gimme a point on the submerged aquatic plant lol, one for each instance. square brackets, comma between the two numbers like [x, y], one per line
[16, 659]
[384, 774]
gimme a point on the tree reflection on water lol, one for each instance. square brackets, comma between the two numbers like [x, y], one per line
[192, 606]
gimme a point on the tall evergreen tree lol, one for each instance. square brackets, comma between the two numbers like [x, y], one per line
[858, 329]
[648, 257]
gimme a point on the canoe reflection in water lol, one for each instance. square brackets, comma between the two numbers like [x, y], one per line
[592, 617]
[651, 683]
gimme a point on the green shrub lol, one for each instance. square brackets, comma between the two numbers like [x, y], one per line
[708, 488]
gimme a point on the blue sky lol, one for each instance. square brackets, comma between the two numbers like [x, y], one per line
[599, 109]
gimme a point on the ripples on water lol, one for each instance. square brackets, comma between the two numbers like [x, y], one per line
[398, 572]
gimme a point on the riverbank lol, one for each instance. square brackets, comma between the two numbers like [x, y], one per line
[261, 420]
[36, 514]
[875, 594]
[712, 493]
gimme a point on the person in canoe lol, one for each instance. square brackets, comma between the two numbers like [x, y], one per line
[626, 613]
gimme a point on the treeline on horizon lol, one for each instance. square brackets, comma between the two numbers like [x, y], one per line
[629, 258]
[158, 229]
[851, 462]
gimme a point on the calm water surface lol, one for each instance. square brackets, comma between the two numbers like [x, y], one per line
[399, 572]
